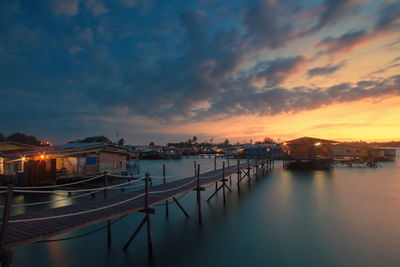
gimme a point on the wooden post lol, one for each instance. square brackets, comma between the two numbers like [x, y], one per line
[198, 193]
[195, 171]
[146, 206]
[6, 255]
[248, 169]
[256, 167]
[108, 221]
[223, 180]
[230, 177]
[239, 173]
[166, 202]
[263, 166]
[215, 168]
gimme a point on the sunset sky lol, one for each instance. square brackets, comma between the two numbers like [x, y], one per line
[168, 70]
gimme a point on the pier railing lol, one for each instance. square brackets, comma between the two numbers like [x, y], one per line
[39, 226]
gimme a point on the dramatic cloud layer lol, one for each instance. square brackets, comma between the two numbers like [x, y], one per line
[324, 70]
[72, 66]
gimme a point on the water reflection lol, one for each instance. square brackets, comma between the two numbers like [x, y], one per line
[347, 217]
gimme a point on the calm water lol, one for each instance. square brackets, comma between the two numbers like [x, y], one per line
[349, 217]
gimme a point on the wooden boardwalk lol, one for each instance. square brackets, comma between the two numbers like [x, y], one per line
[41, 225]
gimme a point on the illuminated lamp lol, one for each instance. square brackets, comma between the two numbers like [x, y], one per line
[318, 144]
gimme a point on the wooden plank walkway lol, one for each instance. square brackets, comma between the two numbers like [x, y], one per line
[32, 227]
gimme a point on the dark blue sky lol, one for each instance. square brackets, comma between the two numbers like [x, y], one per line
[150, 69]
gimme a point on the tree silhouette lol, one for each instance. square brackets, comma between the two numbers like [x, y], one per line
[93, 139]
[23, 138]
[121, 142]
[269, 140]
[194, 139]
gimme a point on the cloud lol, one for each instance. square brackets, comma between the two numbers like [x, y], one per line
[274, 72]
[341, 125]
[112, 62]
[323, 71]
[266, 24]
[75, 49]
[96, 7]
[332, 11]
[344, 42]
[143, 5]
[284, 100]
[389, 16]
[386, 24]
[396, 59]
[64, 7]
[382, 70]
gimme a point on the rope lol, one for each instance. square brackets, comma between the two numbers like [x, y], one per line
[167, 190]
[125, 187]
[55, 186]
[63, 199]
[122, 184]
[52, 201]
[50, 192]
[75, 191]
[76, 213]
[121, 176]
[82, 235]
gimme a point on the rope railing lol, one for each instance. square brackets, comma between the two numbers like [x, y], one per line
[76, 213]
[73, 197]
[53, 201]
[76, 190]
[99, 189]
[126, 187]
[53, 191]
[180, 175]
[68, 184]
[55, 186]
[122, 176]
[172, 189]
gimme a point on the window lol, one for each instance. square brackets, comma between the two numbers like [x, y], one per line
[91, 160]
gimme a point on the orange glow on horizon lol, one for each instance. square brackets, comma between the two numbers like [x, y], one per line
[367, 120]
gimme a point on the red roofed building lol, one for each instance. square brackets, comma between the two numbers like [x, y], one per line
[309, 148]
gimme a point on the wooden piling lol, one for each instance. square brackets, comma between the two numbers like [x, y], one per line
[109, 234]
[223, 180]
[256, 168]
[5, 254]
[248, 170]
[215, 168]
[198, 194]
[166, 202]
[146, 204]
